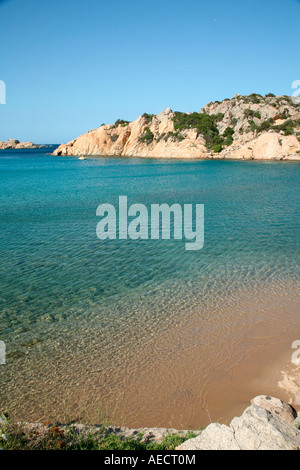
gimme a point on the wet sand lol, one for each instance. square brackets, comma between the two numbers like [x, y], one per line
[184, 376]
[217, 374]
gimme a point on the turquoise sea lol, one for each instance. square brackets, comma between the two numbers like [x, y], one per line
[80, 314]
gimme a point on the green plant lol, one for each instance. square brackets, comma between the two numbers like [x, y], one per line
[218, 117]
[264, 126]
[171, 441]
[251, 113]
[228, 135]
[175, 135]
[217, 148]
[228, 132]
[114, 137]
[255, 98]
[287, 127]
[121, 122]
[147, 137]
[286, 113]
[202, 122]
[148, 117]
[160, 137]
[22, 437]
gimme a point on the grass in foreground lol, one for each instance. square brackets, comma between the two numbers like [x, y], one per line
[18, 437]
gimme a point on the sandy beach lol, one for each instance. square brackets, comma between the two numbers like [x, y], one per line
[184, 377]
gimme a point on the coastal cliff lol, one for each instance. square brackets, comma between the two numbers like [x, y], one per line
[244, 127]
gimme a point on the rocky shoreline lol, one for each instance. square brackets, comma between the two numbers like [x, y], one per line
[16, 144]
[244, 128]
[267, 424]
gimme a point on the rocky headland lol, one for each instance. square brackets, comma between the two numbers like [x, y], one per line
[245, 127]
[16, 144]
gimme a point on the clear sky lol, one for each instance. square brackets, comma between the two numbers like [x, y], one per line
[70, 65]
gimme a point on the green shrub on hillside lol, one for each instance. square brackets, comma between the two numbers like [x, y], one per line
[218, 117]
[250, 113]
[202, 122]
[121, 122]
[228, 134]
[205, 124]
[148, 117]
[175, 135]
[114, 137]
[217, 148]
[147, 137]
[265, 125]
[255, 98]
[287, 127]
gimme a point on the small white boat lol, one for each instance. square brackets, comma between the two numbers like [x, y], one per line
[81, 158]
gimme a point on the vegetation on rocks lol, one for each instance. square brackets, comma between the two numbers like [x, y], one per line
[254, 98]
[114, 137]
[121, 122]
[287, 127]
[148, 117]
[25, 437]
[250, 113]
[205, 124]
[228, 135]
[174, 135]
[147, 137]
[240, 121]
[202, 122]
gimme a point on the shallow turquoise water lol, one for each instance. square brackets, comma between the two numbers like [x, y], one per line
[57, 280]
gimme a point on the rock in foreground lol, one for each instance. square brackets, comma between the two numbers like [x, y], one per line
[256, 429]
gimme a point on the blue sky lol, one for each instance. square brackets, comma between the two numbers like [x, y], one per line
[70, 65]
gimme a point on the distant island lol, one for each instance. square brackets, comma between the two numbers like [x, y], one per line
[16, 144]
[244, 127]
